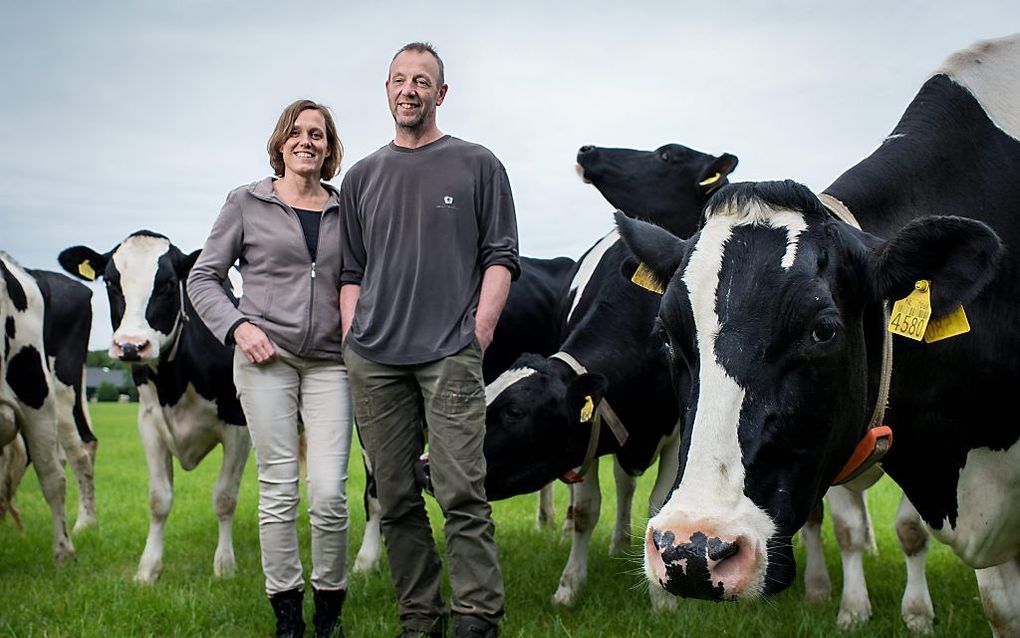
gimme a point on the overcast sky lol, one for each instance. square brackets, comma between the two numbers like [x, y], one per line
[117, 119]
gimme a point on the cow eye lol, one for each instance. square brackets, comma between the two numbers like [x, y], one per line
[824, 332]
[664, 156]
[514, 412]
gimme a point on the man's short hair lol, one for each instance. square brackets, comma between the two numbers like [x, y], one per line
[331, 165]
[424, 47]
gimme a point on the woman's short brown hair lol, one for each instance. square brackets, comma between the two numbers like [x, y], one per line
[331, 165]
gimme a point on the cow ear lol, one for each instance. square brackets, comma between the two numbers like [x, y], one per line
[185, 263]
[83, 262]
[584, 393]
[957, 255]
[660, 250]
[714, 174]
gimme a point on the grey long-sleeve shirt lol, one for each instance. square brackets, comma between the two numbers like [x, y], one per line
[420, 226]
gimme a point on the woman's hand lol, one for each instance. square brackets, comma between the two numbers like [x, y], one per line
[254, 343]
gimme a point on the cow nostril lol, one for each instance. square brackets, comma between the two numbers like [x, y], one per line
[721, 550]
[587, 148]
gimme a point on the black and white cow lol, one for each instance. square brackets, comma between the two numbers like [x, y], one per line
[67, 320]
[775, 310]
[27, 399]
[534, 431]
[66, 328]
[188, 403]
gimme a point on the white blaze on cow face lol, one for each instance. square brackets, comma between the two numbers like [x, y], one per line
[137, 261]
[710, 498]
[504, 381]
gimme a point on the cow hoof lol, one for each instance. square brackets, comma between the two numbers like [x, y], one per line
[848, 619]
[662, 600]
[148, 577]
[919, 617]
[224, 566]
[64, 555]
[817, 589]
[365, 565]
[565, 595]
[83, 523]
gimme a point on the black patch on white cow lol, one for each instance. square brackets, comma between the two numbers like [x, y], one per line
[14, 290]
[27, 377]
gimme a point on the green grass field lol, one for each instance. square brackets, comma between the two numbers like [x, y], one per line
[97, 597]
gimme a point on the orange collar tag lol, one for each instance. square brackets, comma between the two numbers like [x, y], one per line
[869, 451]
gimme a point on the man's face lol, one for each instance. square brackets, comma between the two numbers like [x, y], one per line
[413, 89]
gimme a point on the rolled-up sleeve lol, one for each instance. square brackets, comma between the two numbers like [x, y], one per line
[497, 225]
[205, 283]
[352, 244]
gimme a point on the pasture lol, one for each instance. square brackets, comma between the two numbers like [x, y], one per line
[97, 597]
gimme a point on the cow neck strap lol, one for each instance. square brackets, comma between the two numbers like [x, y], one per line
[878, 438]
[179, 324]
[603, 413]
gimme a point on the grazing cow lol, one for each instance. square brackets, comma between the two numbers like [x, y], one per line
[777, 311]
[188, 403]
[534, 428]
[27, 401]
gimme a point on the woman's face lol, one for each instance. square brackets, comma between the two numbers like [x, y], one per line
[306, 148]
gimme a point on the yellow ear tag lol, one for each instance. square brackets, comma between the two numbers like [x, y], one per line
[711, 180]
[587, 410]
[910, 315]
[645, 278]
[85, 270]
[953, 324]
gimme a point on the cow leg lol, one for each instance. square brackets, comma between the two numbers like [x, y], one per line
[546, 507]
[40, 432]
[669, 463]
[625, 486]
[236, 445]
[817, 585]
[371, 543]
[586, 510]
[568, 520]
[849, 519]
[81, 456]
[13, 464]
[916, 609]
[161, 484]
[1000, 596]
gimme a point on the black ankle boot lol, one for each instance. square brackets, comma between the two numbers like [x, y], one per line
[326, 619]
[287, 607]
[473, 627]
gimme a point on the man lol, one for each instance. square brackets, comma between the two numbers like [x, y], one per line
[430, 249]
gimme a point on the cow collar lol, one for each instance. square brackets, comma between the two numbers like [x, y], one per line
[878, 437]
[604, 412]
[182, 319]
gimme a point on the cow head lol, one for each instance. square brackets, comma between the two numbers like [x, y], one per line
[534, 431]
[774, 309]
[144, 277]
[668, 186]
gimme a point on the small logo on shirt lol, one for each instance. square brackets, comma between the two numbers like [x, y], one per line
[447, 202]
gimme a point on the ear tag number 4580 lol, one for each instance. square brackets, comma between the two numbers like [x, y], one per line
[911, 316]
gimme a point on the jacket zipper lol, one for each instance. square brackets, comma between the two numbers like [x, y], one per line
[311, 283]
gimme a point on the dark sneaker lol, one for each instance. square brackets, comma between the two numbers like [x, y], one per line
[473, 627]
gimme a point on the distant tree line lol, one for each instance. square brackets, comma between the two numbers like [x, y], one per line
[102, 359]
[107, 391]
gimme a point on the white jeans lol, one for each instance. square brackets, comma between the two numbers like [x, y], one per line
[272, 394]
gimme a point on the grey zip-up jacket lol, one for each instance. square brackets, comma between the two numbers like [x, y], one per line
[294, 301]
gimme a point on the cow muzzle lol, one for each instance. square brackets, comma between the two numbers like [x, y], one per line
[132, 349]
[702, 560]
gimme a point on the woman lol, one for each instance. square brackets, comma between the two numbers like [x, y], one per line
[285, 230]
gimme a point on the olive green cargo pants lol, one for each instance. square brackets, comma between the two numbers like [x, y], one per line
[393, 406]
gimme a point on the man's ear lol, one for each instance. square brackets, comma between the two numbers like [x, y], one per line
[442, 94]
[660, 250]
[714, 174]
[83, 262]
[958, 256]
[584, 393]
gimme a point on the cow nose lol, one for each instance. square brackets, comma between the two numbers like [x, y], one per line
[699, 563]
[587, 148]
[130, 352]
[721, 550]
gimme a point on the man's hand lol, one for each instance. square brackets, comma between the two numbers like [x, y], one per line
[495, 288]
[349, 296]
[484, 336]
[254, 343]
